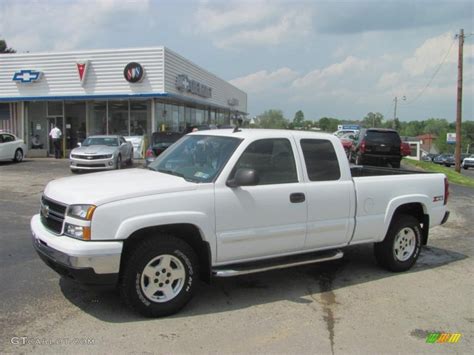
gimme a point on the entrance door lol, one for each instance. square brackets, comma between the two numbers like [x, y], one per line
[52, 121]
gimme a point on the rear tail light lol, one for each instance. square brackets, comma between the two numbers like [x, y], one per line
[446, 190]
[149, 153]
[362, 146]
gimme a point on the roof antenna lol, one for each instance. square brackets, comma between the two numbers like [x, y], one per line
[237, 127]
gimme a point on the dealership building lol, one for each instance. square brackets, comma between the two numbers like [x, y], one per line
[130, 92]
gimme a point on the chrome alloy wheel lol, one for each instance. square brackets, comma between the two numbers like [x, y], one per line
[162, 278]
[405, 244]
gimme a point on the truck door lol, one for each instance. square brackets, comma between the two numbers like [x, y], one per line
[330, 196]
[266, 219]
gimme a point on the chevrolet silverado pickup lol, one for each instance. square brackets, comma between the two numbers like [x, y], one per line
[224, 203]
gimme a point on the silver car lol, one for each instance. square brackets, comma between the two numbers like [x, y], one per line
[101, 153]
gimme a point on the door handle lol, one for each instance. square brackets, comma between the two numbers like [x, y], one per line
[297, 197]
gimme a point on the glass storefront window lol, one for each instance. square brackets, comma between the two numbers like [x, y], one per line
[139, 117]
[97, 117]
[118, 118]
[37, 125]
[75, 130]
[55, 108]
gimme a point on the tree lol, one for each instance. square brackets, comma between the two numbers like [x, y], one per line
[4, 48]
[299, 119]
[272, 119]
[373, 120]
[328, 124]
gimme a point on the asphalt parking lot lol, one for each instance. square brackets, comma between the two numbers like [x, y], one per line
[346, 306]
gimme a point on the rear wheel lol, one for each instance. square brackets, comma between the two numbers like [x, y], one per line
[130, 160]
[18, 157]
[160, 276]
[401, 246]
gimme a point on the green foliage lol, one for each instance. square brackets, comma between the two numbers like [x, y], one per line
[4, 48]
[271, 119]
[298, 121]
[373, 120]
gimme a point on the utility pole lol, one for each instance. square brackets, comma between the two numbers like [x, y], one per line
[459, 103]
[395, 109]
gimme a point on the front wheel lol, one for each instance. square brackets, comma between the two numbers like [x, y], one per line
[118, 163]
[159, 277]
[130, 160]
[18, 155]
[401, 246]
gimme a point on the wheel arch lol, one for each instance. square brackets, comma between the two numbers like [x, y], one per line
[187, 232]
[415, 206]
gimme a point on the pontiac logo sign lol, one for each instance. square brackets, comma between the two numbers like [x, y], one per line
[133, 72]
[183, 83]
[27, 76]
[82, 66]
[45, 211]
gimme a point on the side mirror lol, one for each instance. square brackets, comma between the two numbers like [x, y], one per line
[79, 144]
[244, 177]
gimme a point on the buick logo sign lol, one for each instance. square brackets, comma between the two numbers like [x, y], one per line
[133, 72]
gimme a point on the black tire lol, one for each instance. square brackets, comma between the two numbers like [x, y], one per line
[130, 161]
[118, 163]
[465, 167]
[18, 157]
[74, 171]
[395, 164]
[385, 252]
[131, 280]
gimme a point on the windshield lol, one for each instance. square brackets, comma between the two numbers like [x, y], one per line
[196, 158]
[110, 141]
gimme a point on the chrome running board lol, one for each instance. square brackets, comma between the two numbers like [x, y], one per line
[276, 263]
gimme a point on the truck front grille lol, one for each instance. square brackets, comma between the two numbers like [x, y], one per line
[52, 215]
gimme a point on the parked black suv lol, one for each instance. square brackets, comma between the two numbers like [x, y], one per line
[377, 146]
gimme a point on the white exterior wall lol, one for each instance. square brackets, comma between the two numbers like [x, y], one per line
[104, 76]
[60, 77]
[222, 91]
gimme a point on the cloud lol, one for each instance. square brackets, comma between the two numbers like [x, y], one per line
[63, 25]
[322, 77]
[253, 23]
[364, 16]
[430, 54]
[264, 81]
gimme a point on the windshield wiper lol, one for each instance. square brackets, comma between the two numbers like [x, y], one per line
[175, 173]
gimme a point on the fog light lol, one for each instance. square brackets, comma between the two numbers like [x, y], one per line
[111, 163]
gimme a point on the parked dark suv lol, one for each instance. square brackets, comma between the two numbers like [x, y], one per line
[160, 141]
[377, 146]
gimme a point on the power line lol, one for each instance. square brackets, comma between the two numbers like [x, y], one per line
[433, 76]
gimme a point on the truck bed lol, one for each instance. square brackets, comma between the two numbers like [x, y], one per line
[362, 171]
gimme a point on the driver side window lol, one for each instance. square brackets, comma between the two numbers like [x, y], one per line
[272, 159]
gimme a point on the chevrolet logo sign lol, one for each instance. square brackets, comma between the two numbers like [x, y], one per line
[27, 76]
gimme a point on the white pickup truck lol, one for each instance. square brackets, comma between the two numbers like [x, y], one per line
[230, 202]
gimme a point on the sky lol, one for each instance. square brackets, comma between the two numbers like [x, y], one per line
[338, 59]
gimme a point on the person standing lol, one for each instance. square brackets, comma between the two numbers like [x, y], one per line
[55, 135]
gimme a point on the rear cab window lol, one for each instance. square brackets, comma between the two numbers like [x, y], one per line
[320, 160]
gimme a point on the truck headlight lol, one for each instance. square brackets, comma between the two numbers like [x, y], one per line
[84, 212]
[78, 232]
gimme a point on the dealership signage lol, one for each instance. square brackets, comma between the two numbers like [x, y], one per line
[134, 72]
[27, 76]
[233, 102]
[342, 127]
[451, 138]
[183, 83]
[82, 66]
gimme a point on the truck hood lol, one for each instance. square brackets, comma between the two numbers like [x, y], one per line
[104, 187]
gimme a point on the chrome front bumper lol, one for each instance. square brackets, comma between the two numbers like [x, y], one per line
[85, 261]
[93, 164]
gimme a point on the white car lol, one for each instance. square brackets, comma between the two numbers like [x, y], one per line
[468, 162]
[12, 147]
